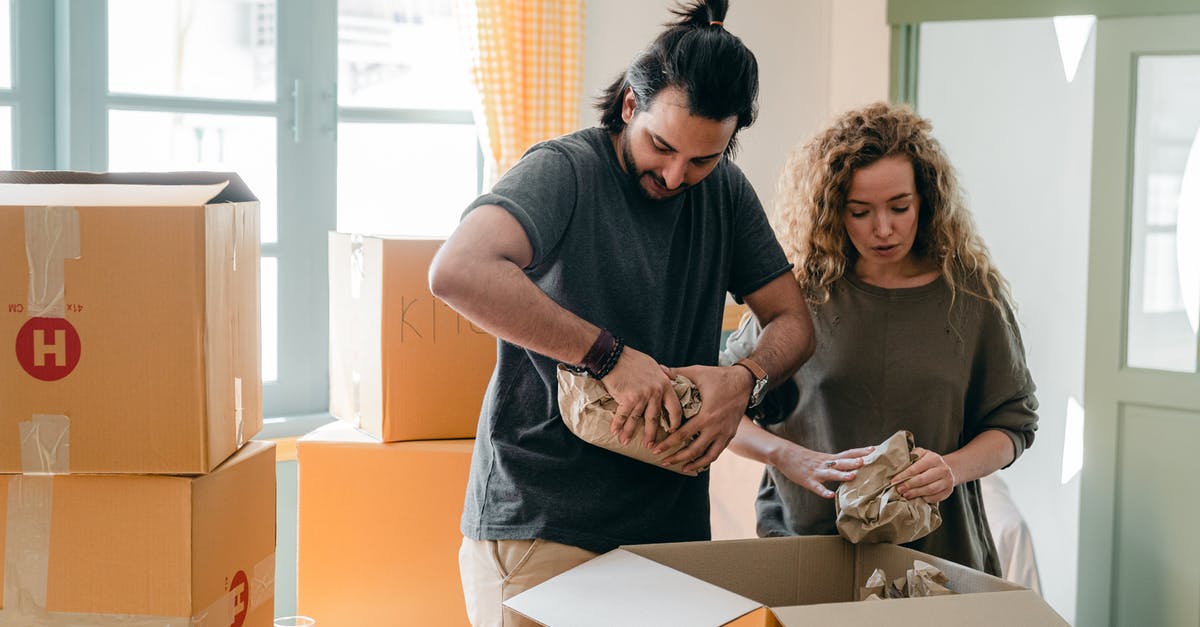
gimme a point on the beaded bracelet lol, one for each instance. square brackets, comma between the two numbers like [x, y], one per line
[610, 361]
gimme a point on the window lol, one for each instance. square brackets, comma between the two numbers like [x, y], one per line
[406, 144]
[6, 88]
[347, 114]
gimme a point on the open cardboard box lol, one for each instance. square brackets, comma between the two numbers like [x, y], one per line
[129, 321]
[805, 580]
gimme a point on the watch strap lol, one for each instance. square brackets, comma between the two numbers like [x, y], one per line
[753, 367]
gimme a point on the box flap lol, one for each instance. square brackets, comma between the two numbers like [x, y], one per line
[142, 189]
[621, 588]
[772, 571]
[984, 609]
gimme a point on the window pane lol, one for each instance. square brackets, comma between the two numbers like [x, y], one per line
[401, 54]
[1164, 275]
[162, 141]
[270, 318]
[409, 179]
[6, 144]
[5, 46]
[209, 48]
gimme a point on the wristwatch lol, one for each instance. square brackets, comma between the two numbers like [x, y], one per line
[760, 380]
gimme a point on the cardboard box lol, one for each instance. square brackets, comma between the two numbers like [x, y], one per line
[378, 529]
[403, 364]
[186, 551]
[132, 303]
[808, 580]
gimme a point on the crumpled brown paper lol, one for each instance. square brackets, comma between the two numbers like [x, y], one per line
[922, 580]
[871, 510]
[588, 409]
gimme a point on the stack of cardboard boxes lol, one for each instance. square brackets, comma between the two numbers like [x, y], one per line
[128, 390]
[381, 490]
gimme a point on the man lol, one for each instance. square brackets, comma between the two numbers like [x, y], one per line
[612, 249]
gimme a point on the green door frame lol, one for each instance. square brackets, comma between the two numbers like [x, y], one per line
[906, 16]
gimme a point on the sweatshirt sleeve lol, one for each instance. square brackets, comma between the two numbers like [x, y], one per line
[1001, 385]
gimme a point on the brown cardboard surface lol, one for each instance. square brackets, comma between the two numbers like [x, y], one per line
[403, 364]
[167, 319]
[772, 571]
[378, 529]
[157, 545]
[802, 580]
[1013, 607]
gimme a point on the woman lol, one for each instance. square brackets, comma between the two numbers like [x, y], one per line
[914, 329]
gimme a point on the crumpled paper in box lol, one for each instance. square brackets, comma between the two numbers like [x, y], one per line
[922, 580]
[588, 409]
[870, 510]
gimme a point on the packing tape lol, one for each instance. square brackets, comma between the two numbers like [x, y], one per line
[356, 396]
[27, 543]
[237, 409]
[358, 266]
[51, 237]
[239, 231]
[45, 450]
[358, 274]
[223, 611]
[45, 444]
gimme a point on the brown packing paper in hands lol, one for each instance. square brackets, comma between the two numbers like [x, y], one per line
[871, 510]
[588, 409]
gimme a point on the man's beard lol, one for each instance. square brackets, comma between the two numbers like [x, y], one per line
[635, 174]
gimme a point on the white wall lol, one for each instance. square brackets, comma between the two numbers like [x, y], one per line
[790, 38]
[1020, 137]
[859, 49]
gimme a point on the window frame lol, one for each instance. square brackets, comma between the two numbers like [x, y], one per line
[60, 91]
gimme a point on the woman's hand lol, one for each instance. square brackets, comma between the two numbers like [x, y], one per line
[812, 470]
[929, 478]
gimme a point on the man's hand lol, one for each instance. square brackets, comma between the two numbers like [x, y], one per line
[641, 388]
[724, 392]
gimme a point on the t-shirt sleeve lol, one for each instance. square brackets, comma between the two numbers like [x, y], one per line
[742, 342]
[757, 256]
[1002, 383]
[539, 191]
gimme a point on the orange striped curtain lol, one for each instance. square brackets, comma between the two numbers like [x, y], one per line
[526, 59]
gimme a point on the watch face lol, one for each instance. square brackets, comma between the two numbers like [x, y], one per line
[756, 393]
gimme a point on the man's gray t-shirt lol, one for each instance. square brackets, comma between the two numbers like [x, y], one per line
[655, 274]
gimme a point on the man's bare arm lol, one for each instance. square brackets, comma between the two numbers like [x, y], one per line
[478, 272]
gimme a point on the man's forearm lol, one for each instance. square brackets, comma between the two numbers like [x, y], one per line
[501, 300]
[785, 344]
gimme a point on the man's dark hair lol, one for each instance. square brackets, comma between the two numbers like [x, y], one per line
[714, 69]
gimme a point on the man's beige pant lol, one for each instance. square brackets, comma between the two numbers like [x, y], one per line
[495, 570]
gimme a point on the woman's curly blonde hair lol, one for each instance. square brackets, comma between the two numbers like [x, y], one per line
[810, 214]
